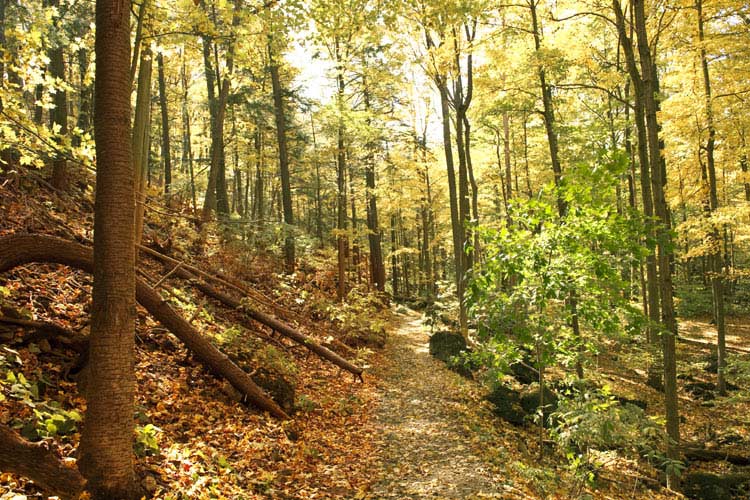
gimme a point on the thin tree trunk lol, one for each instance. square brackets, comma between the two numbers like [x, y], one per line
[187, 147]
[165, 144]
[717, 279]
[59, 116]
[341, 238]
[661, 210]
[141, 135]
[286, 188]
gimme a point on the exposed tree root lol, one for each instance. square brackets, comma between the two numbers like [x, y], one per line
[39, 464]
[22, 249]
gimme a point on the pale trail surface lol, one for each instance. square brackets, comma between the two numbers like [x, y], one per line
[431, 426]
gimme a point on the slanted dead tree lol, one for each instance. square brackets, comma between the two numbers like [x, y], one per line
[20, 249]
[191, 273]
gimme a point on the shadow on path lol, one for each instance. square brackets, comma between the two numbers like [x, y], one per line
[430, 434]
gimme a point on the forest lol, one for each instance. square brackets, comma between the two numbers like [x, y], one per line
[374, 249]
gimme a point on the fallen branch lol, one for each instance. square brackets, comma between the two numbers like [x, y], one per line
[272, 323]
[39, 464]
[49, 331]
[19, 249]
[711, 346]
[699, 454]
[220, 279]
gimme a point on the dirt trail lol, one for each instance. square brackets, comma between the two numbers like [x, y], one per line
[431, 427]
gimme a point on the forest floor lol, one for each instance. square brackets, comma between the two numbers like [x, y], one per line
[413, 429]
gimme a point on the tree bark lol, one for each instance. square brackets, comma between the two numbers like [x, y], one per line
[59, 116]
[141, 139]
[661, 210]
[166, 152]
[374, 235]
[286, 188]
[717, 279]
[106, 447]
[36, 462]
[341, 238]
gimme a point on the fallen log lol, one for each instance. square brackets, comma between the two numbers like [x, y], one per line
[19, 249]
[221, 279]
[709, 345]
[271, 322]
[50, 332]
[34, 461]
[698, 454]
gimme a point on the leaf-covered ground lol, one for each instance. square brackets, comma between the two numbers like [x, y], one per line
[433, 433]
[413, 429]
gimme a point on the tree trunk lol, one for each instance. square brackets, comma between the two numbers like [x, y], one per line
[106, 448]
[187, 147]
[661, 210]
[141, 140]
[165, 144]
[286, 189]
[341, 238]
[717, 279]
[59, 116]
[83, 123]
[209, 201]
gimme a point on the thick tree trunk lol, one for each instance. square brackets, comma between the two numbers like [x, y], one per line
[106, 447]
[23, 249]
[36, 462]
[286, 188]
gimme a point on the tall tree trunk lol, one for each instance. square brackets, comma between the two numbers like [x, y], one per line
[395, 274]
[651, 293]
[258, 199]
[661, 210]
[548, 113]
[318, 185]
[209, 201]
[341, 226]
[187, 147]
[717, 279]
[141, 140]
[59, 116]
[374, 236]
[744, 169]
[165, 144]
[286, 188]
[83, 121]
[106, 448]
